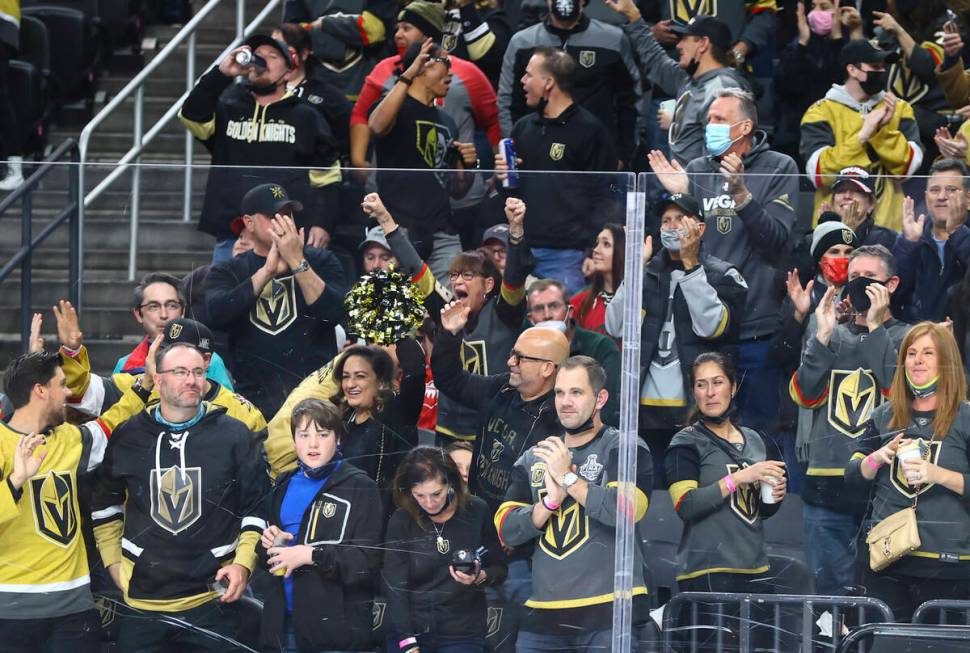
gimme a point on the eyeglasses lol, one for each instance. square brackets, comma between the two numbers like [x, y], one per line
[154, 307]
[516, 357]
[542, 309]
[181, 373]
[467, 275]
[445, 60]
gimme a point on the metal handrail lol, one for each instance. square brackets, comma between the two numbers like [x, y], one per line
[23, 257]
[136, 88]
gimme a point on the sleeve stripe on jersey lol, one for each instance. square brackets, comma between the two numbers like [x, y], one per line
[478, 32]
[108, 514]
[99, 434]
[253, 524]
[223, 551]
[813, 167]
[511, 294]
[503, 512]
[679, 490]
[131, 547]
[799, 398]
[90, 403]
[642, 501]
[915, 159]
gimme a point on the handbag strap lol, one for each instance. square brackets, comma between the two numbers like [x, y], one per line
[731, 452]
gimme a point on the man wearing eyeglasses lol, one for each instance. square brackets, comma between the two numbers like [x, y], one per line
[158, 300]
[174, 512]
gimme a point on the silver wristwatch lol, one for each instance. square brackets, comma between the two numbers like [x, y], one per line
[568, 480]
[302, 267]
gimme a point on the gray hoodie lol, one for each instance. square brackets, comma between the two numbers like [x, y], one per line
[694, 96]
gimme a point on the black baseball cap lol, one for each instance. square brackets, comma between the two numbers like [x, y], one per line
[184, 331]
[686, 203]
[716, 30]
[860, 51]
[857, 177]
[268, 199]
[257, 40]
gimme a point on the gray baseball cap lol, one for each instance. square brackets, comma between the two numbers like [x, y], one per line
[376, 235]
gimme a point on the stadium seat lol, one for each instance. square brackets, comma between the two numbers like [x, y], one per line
[790, 575]
[73, 48]
[661, 523]
[35, 49]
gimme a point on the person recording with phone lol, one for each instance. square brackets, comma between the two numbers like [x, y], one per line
[259, 132]
[441, 550]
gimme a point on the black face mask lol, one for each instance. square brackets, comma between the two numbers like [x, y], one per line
[566, 10]
[582, 428]
[692, 67]
[723, 417]
[855, 291]
[875, 82]
[266, 89]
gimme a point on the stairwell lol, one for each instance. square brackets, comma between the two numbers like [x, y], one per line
[165, 242]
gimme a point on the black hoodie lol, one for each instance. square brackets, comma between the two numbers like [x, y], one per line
[288, 133]
[332, 599]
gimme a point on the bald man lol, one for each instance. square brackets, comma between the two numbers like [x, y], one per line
[515, 409]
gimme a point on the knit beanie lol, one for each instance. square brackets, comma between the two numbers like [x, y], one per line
[828, 234]
[429, 17]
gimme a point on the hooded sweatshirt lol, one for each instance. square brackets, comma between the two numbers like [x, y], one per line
[289, 135]
[829, 144]
[756, 238]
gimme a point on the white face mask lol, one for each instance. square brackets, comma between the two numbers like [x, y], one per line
[558, 325]
[670, 239]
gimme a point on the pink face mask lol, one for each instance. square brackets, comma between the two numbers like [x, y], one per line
[820, 21]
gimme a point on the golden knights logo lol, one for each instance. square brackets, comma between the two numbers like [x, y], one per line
[557, 151]
[176, 496]
[275, 308]
[106, 610]
[474, 358]
[55, 506]
[683, 10]
[566, 531]
[538, 474]
[587, 58]
[744, 502]
[724, 224]
[853, 395]
[493, 621]
[174, 331]
[931, 452]
[905, 84]
[432, 143]
[377, 611]
[329, 509]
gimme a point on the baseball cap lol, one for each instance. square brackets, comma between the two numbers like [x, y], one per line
[257, 40]
[860, 51]
[686, 203]
[184, 331]
[831, 233]
[857, 177]
[376, 235]
[716, 30]
[267, 199]
[499, 232]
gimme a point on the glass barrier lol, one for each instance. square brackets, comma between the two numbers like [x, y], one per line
[749, 331]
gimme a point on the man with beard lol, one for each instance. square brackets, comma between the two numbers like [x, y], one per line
[268, 131]
[563, 497]
[174, 510]
[45, 593]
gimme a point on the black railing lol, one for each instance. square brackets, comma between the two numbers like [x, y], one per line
[942, 611]
[908, 637]
[763, 622]
[23, 257]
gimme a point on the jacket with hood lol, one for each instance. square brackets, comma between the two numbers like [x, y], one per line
[333, 597]
[174, 505]
[566, 210]
[606, 82]
[925, 280]
[324, 96]
[829, 144]
[694, 96]
[757, 238]
[286, 142]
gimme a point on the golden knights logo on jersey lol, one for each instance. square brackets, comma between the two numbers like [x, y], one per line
[931, 452]
[744, 502]
[377, 612]
[566, 531]
[474, 356]
[683, 10]
[176, 495]
[493, 621]
[853, 395]
[55, 506]
[275, 308]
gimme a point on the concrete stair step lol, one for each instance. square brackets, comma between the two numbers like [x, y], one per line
[45, 292]
[103, 352]
[107, 233]
[116, 259]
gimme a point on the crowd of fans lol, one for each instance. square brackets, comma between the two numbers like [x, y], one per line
[452, 486]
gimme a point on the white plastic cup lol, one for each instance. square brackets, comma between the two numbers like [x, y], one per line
[767, 488]
[910, 451]
[668, 106]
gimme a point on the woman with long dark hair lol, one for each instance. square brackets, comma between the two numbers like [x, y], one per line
[915, 453]
[441, 551]
[589, 305]
[380, 416]
[321, 543]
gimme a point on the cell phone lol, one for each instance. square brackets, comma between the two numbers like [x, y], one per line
[950, 26]
[219, 586]
[847, 3]
[507, 147]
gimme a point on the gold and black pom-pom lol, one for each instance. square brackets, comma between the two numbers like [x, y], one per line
[383, 307]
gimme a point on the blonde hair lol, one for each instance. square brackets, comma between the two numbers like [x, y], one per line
[951, 390]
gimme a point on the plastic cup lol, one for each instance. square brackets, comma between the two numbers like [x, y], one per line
[668, 106]
[280, 540]
[767, 488]
[909, 451]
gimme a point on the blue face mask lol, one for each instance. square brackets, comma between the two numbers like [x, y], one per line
[717, 138]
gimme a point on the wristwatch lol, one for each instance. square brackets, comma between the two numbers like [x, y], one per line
[302, 267]
[568, 480]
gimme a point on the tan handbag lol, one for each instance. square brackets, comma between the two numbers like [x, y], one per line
[892, 538]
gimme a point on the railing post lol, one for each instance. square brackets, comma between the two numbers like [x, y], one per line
[240, 19]
[136, 185]
[189, 139]
[26, 236]
[74, 232]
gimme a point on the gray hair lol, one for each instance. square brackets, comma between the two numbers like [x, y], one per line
[748, 107]
[876, 251]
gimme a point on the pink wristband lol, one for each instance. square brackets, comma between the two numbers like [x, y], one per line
[871, 464]
[554, 507]
[732, 488]
[407, 642]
